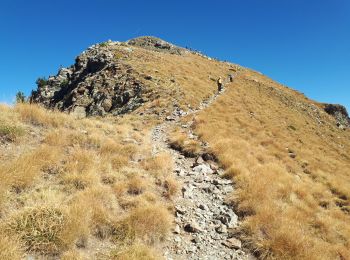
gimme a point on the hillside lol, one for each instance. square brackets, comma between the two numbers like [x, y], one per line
[131, 153]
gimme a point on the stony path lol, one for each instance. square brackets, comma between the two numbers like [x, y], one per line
[203, 219]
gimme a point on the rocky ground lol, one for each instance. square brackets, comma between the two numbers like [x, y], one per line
[204, 222]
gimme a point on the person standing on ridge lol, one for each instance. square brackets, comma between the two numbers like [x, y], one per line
[219, 81]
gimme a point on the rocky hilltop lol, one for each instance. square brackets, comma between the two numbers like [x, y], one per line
[103, 81]
[100, 81]
[96, 84]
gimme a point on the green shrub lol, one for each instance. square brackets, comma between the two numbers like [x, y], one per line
[103, 44]
[20, 97]
[41, 82]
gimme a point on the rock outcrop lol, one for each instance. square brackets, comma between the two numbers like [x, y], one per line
[99, 82]
[156, 44]
[339, 113]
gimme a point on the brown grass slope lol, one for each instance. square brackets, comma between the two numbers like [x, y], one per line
[80, 189]
[90, 188]
[289, 160]
[291, 167]
[182, 80]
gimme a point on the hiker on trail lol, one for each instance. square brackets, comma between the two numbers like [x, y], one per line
[219, 81]
[230, 77]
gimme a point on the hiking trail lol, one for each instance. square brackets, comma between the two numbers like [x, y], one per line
[203, 219]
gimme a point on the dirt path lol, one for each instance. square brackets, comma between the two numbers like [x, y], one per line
[203, 219]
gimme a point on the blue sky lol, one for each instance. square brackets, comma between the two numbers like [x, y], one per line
[303, 44]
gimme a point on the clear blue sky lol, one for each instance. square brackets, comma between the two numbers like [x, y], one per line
[304, 44]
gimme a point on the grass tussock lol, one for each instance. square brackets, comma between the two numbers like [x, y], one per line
[39, 229]
[137, 251]
[22, 172]
[149, 224]
[11, 129]
[179, 141]
[159, 165]
[292, 182]
[34, 114]
[10, 133]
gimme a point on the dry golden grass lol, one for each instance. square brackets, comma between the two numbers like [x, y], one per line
[72, 254]
[11, 130]
[171, 186]
[24, 170]
[137, 251]
[159, 165]
[59, 187]
[186, 80]
[36, 115]
[179, 141]
[149, 224]
[293, 208]
[39, 228]
[10, 248]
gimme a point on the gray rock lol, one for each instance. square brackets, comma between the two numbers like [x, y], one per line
[208, 157]
[170, 118]
[177, 229]
[177, 239]
[79, 112]
[107, 104]
[180, 210]
[203, 207]
[156, 44]
[203, 169]
[233, 243]
[221, 229]
[199, 160]
[195, 240]
[192, 227]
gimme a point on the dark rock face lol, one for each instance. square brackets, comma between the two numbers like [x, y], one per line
[339, 113]
[95, 85]
[156, 44]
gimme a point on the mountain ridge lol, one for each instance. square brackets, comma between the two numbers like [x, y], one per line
[132, 153]
[102, 81]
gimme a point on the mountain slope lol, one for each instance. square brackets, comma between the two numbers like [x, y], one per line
[290, 163]
[287, 157]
